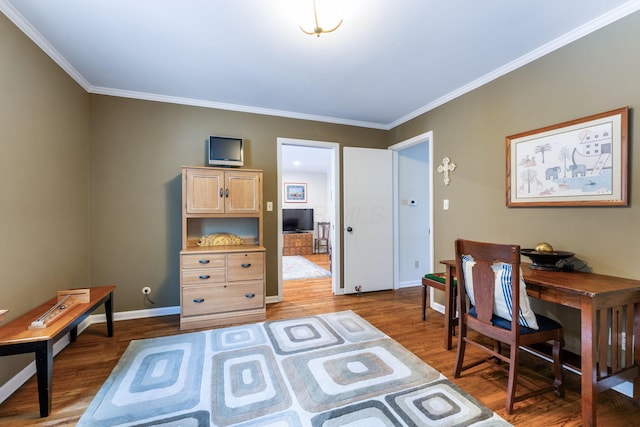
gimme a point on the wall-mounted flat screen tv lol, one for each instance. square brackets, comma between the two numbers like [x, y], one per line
[225, 151]
[297, 220]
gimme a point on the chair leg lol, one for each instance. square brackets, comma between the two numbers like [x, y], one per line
[513, 374]
[457, 368]
[558, 382]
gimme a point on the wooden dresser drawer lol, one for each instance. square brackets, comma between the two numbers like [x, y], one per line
[203, 275]
[210, 299]
[245, 266]
[204, 260]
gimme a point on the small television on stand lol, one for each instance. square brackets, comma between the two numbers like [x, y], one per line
[225, 151]
[297, 220]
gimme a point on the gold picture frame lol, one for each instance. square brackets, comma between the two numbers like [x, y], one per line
[582, 162]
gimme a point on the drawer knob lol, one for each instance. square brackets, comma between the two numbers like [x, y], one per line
[204, 276]
[198, 300]
[245, 265]
[203, 261]
[249, 295]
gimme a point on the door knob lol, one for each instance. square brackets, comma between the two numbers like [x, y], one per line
[349, 229]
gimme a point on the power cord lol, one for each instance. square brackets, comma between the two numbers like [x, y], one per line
[146, 300]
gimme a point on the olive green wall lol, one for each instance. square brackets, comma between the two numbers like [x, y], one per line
[598, 73]
[44, 218]
[136, 151]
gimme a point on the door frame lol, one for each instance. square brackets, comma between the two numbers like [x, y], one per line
[427, 138]
[334, 234]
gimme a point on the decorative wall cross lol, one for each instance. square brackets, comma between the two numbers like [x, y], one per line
[446, 167]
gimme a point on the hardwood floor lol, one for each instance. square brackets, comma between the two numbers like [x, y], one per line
[81, 368]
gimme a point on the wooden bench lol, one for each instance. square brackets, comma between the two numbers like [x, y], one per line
[17, 338]
[439, 281]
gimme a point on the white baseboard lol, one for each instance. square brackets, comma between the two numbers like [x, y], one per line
[272, 299]
[10, 387]
[409, 284]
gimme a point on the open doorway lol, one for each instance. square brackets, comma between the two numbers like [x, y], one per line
[307, 200]
[413, 216]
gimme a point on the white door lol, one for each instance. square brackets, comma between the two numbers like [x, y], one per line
[368, 219]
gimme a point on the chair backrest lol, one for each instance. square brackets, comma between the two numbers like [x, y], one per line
[323, 230]
[478, 279]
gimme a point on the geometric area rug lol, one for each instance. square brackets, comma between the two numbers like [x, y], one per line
[298, 267]
[328, 370]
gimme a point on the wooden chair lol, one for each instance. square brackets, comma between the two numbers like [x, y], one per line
[487, 273]
[321, 244]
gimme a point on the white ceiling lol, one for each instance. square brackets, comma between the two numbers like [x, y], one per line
[297, 158]
[390, 61]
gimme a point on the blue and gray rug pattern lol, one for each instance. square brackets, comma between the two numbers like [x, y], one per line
[327, 370]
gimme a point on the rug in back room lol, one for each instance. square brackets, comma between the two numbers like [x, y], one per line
[298, 267]
[327, 370]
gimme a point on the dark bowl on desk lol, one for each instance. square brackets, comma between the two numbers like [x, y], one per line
[545, 260]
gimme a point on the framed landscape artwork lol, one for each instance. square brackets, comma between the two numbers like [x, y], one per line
[582, 162]
[295, 192]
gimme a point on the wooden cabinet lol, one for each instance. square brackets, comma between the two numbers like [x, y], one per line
[221, 285]
[215, 191]
[297, 244]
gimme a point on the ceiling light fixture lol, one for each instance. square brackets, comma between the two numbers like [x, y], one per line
[317, 29]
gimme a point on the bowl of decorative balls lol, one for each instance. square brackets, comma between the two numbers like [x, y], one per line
[544, 257]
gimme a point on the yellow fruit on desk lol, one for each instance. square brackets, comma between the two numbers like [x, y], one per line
[544, 247]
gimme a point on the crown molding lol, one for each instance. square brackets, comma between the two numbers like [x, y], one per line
[42, 43]
[588, 28]
[231, 107]
[570, 37]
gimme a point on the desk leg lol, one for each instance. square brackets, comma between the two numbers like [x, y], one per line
[636, 351]
[108, 309]
[588, 356]
[44, 373]
[449, 308]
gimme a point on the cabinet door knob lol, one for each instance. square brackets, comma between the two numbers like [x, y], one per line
[198, 300]
[249, 295]
[226, 193]
[245, 265]
[203, 261]
[221, 194]
[204, 276]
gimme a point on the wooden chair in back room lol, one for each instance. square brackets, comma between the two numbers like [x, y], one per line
[321, 244]
[490, 288]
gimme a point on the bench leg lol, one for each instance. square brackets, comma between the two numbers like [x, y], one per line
[44, 373]
[108, 309]
[424, 302]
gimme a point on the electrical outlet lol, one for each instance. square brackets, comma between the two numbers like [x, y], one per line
[417, 264]
[146, 290]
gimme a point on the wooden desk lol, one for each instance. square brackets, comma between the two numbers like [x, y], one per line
[16, 338]
[606, 304]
